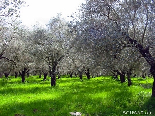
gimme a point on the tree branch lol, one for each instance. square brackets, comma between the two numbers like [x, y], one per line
[7, 59]
[144, 51]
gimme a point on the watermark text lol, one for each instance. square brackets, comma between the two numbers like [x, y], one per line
[137, 112]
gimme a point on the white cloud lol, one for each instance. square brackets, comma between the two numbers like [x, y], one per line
[42, 10]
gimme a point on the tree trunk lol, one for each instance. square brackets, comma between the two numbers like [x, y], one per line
[52, 64]
[16, 74]
[143, 75]
[129, 79]
[80, 75]
[53, 79]
[71, 74]
[39, 74]
[23, 75]
[6, 75]
[122, 77]
[88, 74]
[152, 70]
[53, 75]
[45, 75]
[148, 57]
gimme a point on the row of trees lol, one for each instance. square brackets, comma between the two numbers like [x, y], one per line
[109, 37]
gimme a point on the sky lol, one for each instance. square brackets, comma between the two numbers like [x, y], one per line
[41, 11]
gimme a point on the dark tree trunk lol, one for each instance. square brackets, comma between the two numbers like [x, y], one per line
[53, 79]
[80, 75]
[53, 75]
[16, 74]
[23, 73]
[143, 76]
[6, 75]
[129, 79]
[71, 74]
[122, 77]
[52, 68]
[88, 74]
[152, 70]
[148, 57]
[45, 75]
[40, 75]
[23, 78]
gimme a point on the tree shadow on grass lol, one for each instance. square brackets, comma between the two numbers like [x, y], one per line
[91, 97]
[146, 85]
[83, 97]
[149, 106]
[61, 106]
[22, 91]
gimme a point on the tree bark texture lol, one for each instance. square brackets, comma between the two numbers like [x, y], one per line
[80, 74]
[53, 79]
[23, 73]
[148, 57]
[129, 79]
[87, 74]
[152, 71]
[53, 75]
[122, 77]
[16, 74]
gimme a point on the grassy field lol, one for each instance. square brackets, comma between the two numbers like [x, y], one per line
[100, 96]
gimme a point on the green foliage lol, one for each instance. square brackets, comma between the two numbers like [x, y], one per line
[95, 97]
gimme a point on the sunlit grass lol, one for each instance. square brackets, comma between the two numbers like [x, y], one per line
[95, 97]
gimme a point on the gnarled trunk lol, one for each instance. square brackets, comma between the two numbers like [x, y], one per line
[148, 57]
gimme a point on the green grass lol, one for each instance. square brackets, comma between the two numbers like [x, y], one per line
[101, 96]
